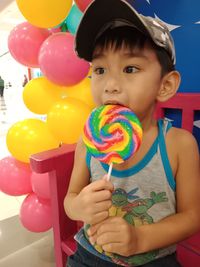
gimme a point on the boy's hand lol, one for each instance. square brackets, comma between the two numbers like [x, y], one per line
[114, 235]
[94, 201]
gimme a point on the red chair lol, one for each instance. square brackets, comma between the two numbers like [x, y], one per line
[188, 103]
[58, 163]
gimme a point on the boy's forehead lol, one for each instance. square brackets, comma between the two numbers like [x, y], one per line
[124, 51]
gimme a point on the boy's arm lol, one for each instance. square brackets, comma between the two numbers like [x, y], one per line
[130, 240]
[84, 201]
[187, 219]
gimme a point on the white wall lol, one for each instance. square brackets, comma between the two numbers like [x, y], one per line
[11, 70]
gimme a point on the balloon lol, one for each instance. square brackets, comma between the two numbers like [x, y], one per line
[24, 43]
[35, 214]
[54, 30]
[40, 185]
[81, 91]
[28, 137]
[83, 4]
[58, 61]
[38, 90]
[45, 13]
[73, 19]
[15, 177]
[66, 119]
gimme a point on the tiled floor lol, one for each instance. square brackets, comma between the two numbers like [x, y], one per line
[21, 248]
[18, 246]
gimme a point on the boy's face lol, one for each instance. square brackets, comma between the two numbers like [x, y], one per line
[130, 78]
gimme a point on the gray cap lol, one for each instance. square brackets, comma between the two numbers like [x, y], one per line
[103, 14]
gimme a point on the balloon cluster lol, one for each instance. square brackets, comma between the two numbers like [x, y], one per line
[62, 94]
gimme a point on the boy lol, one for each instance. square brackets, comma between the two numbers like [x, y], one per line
[152, 200]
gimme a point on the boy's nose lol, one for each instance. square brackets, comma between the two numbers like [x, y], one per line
[112, 87]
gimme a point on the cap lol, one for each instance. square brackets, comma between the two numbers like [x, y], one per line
[104, 14]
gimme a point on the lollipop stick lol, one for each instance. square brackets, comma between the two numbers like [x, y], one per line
[109, 171]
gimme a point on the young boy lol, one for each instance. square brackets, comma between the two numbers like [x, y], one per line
[152, 200]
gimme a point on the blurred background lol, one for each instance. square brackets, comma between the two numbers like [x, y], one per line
[18, 246]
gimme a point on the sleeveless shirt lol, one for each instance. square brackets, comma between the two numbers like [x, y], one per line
[143, 194]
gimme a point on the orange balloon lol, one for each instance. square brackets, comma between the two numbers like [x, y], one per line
[81, 91]
[44, 13]
[66, 119]
[28, 137]
[39, 95]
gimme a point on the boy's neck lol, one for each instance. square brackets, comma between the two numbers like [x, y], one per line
[148, 121]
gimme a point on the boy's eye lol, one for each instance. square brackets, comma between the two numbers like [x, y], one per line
[130, 69]
[99, 71]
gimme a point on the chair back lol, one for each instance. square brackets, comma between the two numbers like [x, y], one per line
[58, 164]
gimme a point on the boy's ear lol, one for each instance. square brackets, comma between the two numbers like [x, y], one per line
[169, 86]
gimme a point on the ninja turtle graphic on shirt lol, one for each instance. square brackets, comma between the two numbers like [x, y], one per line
[135, 211]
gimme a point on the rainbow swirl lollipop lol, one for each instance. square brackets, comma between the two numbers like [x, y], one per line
[112, 133]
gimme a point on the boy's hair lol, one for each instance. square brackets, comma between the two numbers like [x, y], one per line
[132, 38]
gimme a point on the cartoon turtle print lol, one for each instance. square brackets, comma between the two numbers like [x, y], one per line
[135, 211]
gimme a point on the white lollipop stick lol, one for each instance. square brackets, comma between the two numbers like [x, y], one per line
[109, 171]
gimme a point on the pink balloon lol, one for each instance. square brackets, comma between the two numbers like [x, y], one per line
[24, 43]
[40, 185]
[35, 214]
[55, 30]
[83, 4]
[15, 177]
[58, 61]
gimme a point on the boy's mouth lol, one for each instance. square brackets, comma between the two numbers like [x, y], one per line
[112, 102]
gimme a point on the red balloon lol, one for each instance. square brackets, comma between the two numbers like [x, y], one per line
[83, 4]
[15, 177]
[35, 214]
[24, 43]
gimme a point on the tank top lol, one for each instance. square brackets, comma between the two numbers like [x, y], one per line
[143, 194]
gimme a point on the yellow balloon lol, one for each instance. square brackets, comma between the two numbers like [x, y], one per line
[44, 13]
[28, 137]
[81, 91]
[39, 95]
[66, 119]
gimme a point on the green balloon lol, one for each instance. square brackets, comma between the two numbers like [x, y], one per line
[73, 19]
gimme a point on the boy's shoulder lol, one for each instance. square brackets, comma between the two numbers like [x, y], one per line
[182, 140]
[181, 148]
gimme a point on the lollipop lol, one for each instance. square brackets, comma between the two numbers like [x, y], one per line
[112, 134]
